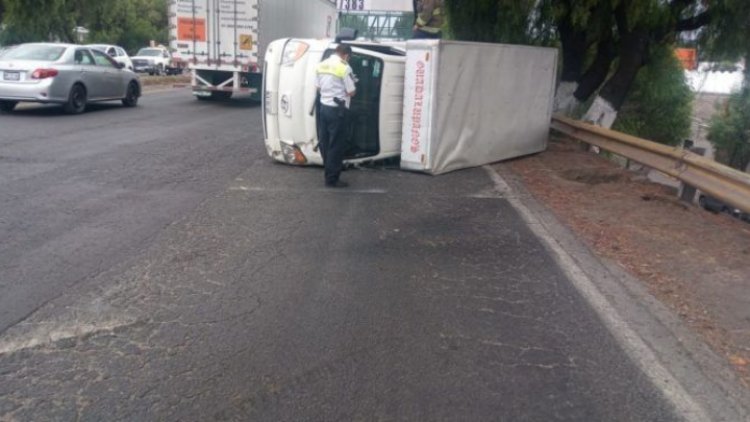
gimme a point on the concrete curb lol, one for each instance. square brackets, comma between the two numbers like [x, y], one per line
[699, 383]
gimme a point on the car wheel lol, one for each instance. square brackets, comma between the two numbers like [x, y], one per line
[7, 106]
[131, 96]
[77, 100]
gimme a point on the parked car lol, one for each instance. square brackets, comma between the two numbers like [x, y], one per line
[712, 204]
[66, 74]
[152, 60]
[117, 53]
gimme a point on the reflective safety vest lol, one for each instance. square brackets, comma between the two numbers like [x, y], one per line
[338, 70]
[430, 16]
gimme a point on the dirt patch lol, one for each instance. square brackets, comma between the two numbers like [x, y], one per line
[591, 176]
[151, 81]
[696, 262]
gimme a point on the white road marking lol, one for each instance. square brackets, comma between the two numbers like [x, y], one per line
[633, 345]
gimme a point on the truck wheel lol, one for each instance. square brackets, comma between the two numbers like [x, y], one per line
[221, 95]
[215, 96]
[131, 97]
[77, 100]
[7, 106]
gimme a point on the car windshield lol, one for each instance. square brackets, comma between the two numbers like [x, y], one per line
[151, 52]
[44, 53]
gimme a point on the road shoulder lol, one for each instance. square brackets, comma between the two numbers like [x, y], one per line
[695, 379]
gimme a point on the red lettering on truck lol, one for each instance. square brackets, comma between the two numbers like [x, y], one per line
[417, 108]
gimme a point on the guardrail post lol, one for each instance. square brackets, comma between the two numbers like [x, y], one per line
[687, 192]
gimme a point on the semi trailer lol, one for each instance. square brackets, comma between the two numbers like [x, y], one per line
[224, 40]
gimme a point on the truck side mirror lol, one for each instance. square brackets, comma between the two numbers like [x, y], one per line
[347, 34]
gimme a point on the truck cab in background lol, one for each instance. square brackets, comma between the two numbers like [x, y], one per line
[289, 91]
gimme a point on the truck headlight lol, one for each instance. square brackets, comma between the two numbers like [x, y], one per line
[293, 51]
[292, 154]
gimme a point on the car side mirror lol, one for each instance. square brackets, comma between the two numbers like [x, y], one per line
[120, 65]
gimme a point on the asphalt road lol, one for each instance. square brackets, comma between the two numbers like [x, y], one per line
[155, 265]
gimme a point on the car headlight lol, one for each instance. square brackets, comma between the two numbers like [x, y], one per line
[292, 154]
[293, 51]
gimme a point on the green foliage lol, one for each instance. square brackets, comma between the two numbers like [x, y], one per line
[129, 23]
[506, 21]
[659, 105]
[730, 131]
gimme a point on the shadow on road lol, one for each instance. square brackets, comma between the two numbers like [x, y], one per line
[231, 103]
[53, 110]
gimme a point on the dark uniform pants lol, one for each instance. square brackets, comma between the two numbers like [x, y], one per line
[331, 141]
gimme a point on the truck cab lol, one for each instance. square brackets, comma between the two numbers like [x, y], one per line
[289, 109]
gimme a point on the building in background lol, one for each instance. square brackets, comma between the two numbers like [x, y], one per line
[712, 83]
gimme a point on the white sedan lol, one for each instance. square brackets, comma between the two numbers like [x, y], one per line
[118, 54]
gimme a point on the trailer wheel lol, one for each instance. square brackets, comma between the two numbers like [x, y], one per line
[221, 95]
[216, 96]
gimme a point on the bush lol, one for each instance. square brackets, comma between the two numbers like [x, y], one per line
[659, 106]
[729, 131]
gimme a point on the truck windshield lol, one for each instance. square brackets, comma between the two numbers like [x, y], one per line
[363, 131]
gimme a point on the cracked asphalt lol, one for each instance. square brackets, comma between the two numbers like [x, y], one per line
[155, 265]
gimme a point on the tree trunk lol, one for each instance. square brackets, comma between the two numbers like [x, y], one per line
[574, 53]
[597, 72]
[603, 111]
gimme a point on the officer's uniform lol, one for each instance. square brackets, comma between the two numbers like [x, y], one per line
[335, 82]
[429, 19]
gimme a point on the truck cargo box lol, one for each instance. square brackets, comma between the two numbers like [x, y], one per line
[470, 104]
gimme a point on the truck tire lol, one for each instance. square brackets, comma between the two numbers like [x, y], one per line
[216, 96]
[221, 95]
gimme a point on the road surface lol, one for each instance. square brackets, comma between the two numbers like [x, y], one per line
[155, 265]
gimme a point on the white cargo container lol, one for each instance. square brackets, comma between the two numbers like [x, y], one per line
[470, 104]
[224, 40]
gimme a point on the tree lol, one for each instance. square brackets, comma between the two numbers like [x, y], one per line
[26, 23]
[729, 130]
[605, 43]
[660, 104]
[129, 23]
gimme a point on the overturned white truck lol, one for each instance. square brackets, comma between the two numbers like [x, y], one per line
[438, 105]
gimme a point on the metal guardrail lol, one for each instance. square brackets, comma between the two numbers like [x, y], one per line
[717, 180]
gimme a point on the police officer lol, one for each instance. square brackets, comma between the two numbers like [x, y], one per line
[336, 85]
[429, 19]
